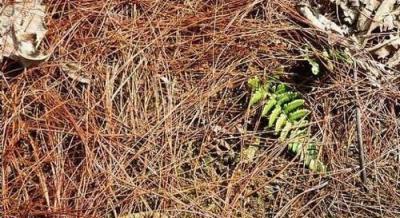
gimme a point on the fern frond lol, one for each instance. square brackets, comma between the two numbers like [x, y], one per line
[288, 118]
[310, 154]
[281, 88]
[274, 116]
[268, 106]
[297, 147]
[293, 105]
[280, 123]
[254, 83]
[299, 114]
[285, 131]
[258, 96]
[317, 166]
[286, 97]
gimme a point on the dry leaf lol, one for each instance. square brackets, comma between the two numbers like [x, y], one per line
[365, 16]
[355, 3]
[22, 30]
[394, 60]
[319, 20]
[388, 23]
[382, 53]
[350, 15]
[395, 41]
[249, 154]
[383, 11]
[73, 71]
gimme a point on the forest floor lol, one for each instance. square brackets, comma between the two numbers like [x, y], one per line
[157, 121]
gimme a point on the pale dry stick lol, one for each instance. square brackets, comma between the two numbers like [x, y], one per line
[359, 132]
[397, 149]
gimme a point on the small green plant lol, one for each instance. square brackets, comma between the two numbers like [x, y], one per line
[315, 68]
[288, 118]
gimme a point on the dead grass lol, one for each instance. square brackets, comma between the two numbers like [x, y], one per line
[162, 124]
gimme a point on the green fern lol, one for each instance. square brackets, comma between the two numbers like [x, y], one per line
[288, 118]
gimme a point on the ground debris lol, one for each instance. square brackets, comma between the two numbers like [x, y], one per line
[22, 29]
[366, 21]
